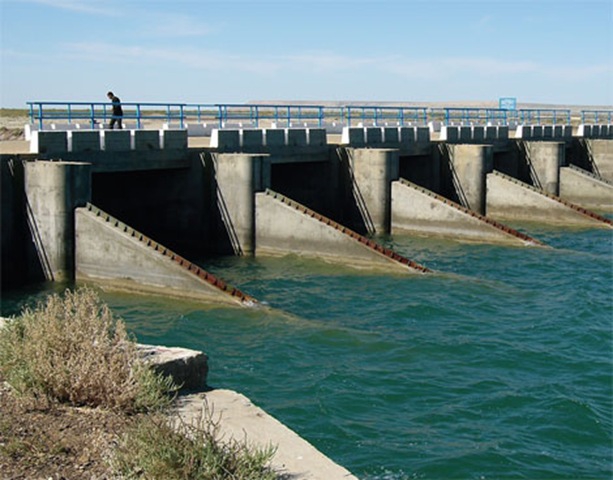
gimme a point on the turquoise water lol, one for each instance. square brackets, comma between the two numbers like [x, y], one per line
[500, 367]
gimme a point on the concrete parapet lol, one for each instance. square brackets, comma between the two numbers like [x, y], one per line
[450, 133]
[391, 135]
[466, 134]
[374, 136]
[408, 136]
[83, 141]
[417, 210]
[603, 131]
[296, 137]
[422, 134]
[225, 140]
[111, 252]
[173, 139]
[53, 191]
[503, 132]
[116, 140]
[537, 132]
[316, 137]
[510, 199]
[274, 137]
[491, 133]
[251, 138]
[478, 133]
[586, 189]
[48, 142]
[284, 226]
[145, 139]
[353, 136]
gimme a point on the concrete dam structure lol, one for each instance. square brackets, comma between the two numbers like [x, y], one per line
[143, 210]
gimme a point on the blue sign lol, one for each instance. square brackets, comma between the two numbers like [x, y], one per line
[507, 103]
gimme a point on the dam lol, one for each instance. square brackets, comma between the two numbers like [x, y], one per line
[143, 208]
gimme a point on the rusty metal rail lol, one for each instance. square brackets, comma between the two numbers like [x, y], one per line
[356, 236]
[179, 260]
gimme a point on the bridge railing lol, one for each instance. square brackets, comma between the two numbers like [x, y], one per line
[596, 116]
[98, 114]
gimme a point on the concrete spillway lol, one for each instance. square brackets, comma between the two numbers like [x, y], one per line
[418, 210]
[110, 251]
[284, 226]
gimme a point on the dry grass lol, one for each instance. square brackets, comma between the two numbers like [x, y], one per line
[72, 350]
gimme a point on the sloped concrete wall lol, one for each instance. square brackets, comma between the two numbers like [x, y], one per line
[107, 254]
[585, 189]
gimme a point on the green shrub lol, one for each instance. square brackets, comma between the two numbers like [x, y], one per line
[71, 349]
[156, 449]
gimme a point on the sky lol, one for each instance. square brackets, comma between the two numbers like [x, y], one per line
[237, 51]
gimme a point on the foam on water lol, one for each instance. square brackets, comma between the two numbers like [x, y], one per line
[499, 367]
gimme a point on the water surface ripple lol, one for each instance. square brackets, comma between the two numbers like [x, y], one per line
[498, 367]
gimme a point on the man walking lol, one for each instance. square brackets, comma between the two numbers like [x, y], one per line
[117, 111]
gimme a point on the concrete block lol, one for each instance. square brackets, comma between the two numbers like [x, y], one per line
[491, 133]
[584, 130]
[225, 140]
[450, 134]
[316, 137]
[175, 139]
[503, 132]
[466, 134]
[568, 131]
[595, 131]
[188, 368]
[548, 132]
[83, 141]
[146, 139]
[115, 140]
[49, 142]
[391, 135]
[353, 136]
[558, 131]
[274, 137]
[537, 131]
[408, 136]
[374, 136]
[478, 133]
[296, 137]
[252, 138]
[422, 134]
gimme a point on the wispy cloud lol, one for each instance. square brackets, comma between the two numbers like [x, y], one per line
[176, 25]
[94, 7]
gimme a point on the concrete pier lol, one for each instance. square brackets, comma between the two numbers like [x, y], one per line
[53, 191]
[374, 169]
[238, 178]
[469, 165]
[545, 160]
[601, 154]
[586, 189]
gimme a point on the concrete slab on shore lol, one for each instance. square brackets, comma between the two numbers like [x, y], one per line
[240, 418]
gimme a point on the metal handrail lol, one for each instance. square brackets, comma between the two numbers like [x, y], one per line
[254, 115]
[597, 116]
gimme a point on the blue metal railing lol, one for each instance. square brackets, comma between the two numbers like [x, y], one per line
[597, 116]
[97, 114]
